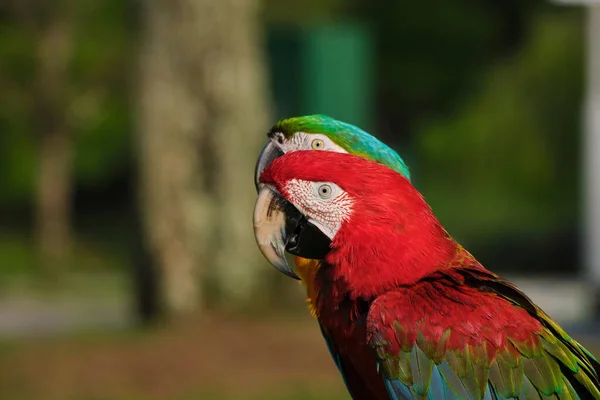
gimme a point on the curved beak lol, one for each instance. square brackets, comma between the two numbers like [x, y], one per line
[279, 226]
[269, 152]
[272, 215]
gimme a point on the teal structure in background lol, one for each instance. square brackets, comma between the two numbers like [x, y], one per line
[323, 69]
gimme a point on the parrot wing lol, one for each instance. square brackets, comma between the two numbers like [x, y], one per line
[468, 334]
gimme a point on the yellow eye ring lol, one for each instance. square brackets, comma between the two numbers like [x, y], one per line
[317, 144]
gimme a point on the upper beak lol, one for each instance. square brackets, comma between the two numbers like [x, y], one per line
[266, 157]
[272, 215]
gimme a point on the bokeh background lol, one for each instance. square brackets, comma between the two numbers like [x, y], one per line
[128, 135]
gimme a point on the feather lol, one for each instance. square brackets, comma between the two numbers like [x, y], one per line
[404, 368]
[437, 389]
[453, 382]
[529, 391]
[422, 368]
[397, 390]
[506, 373]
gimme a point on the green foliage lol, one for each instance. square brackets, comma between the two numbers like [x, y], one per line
[489, 91]
[16, 145]
[89, 255]
[99, 116]
[291, 12]
[102, 70]
[99, 113]
[508, 159]
[420, 63]
[17, 253]
[431, 54]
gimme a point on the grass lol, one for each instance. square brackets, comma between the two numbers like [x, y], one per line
[212, 358]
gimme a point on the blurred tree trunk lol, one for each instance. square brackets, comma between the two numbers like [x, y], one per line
[175, 203]
[240, 116]
[53, 27]
[203, 114]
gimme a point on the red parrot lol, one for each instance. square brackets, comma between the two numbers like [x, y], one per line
[406, 311]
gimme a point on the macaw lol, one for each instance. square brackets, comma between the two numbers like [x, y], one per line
[406, 311]
[322, 133]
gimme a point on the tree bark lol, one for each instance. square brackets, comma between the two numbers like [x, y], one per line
[202, 116]
[240, 111]
[175, 203]
[54, 179]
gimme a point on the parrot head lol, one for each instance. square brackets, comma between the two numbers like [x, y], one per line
[320, 133]
[359, 207]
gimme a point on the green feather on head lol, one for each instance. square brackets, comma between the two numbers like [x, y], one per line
[351, 138]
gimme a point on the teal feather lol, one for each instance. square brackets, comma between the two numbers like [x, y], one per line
[351, 138]
[437, 389]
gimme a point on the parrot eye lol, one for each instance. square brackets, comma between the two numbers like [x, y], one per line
[317, 144]
[324, 191]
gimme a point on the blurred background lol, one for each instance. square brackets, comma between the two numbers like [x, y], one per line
[128, 136]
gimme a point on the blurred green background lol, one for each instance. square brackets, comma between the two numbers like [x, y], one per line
[128, 135]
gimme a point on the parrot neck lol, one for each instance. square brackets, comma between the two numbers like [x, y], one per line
[370, 256]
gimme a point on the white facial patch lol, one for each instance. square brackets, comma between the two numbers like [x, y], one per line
[325, 204]
[310, 141]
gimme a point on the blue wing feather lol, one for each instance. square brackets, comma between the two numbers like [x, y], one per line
[397, 390]
[438, 390]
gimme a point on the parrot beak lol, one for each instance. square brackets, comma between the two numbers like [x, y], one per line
[279, 226]
[266, 157]
[273, 218]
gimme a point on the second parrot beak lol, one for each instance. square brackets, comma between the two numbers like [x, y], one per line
[279, 226]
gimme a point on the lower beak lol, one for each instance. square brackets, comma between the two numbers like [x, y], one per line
[272, 215]
[266, 157]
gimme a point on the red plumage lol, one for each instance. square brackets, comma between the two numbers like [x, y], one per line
[394, 279]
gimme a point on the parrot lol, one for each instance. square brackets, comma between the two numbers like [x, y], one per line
[321, 132]
[406, 311]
